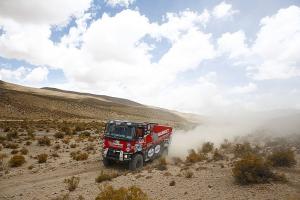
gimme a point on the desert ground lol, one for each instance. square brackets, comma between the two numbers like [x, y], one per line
[207, 178]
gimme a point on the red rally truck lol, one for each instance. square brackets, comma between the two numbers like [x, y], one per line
[134, 142]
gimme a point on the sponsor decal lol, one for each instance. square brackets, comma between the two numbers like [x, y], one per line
[163, 132]
[116, 143]
[141, 141]
[150, 152]
[157, 149]
[138, 147]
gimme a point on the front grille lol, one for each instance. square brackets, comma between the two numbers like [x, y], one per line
[112, 153]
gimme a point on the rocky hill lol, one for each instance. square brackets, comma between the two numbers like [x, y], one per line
[19, 102]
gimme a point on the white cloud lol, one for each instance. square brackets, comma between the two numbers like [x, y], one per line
[223, 10]
[122, 3]
[12, 75]
[234, 44]
[24, 74]
[42, 12]
[250, 87]
[176, 24]
[278, 45]
[37, 75]
[274, 54]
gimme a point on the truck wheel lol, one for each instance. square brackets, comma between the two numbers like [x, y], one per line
[136, 162]
[107, 162]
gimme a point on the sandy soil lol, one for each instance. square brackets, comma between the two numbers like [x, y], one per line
[211, 180]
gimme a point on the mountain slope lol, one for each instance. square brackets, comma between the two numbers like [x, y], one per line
[19, 102]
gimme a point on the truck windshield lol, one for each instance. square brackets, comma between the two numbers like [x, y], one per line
[121, 131]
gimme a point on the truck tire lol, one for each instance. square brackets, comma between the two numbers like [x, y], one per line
[136, 162]
[107, 162]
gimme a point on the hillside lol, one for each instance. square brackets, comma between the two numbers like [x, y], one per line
[19, 102]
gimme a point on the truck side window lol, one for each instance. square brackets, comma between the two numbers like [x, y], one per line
[139, 132]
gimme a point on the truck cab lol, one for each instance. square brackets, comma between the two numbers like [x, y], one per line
[134, 143]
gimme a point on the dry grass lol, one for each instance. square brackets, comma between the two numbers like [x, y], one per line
[42, 158]
[162, 164]
[241, 150]
[282, 158]
[24, 151]
[105, 176]
[194, 157]
[217, 155]
[14, 151]
[59, 135]
[188, 174]
[207, 147]
[16, 161]
[254, 169]
[78, 155]
[44, 141]
[107, 192]
[11, 145]
[72, 183]
[172, 183]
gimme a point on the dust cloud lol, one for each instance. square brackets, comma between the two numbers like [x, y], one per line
[217, 129]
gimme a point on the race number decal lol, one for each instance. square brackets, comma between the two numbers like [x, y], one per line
[157, 149]
[150, 152]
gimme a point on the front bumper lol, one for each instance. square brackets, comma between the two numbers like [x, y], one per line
[114, 154]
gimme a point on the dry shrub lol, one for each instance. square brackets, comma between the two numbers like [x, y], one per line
[241, 150]
[72, 183]
[67, 130]
[194, 157]
[6, 129]
[11, 145]
[90, 147]
[162, 164]
[24, 151]
[78, 155]
[16, 161]
[59, 135]
[62, 197]
[55, 155]
[131, 193]
[282, 158]
[2, 164]
[92, 139]
[254, 169]
[188, 174]
[28, 143]
[85, 134]
[30, 133]
[56, 147]
[66, 140]
[12, 135]
[172, 183]
[73, 145]
[42, 158]
[207, 147]
[226, 146]
[2, 138]
[105, 176]
[14, 151]
[217, 155]
[44, 141]
[177, 160]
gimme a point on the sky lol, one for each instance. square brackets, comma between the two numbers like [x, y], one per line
[197, 56]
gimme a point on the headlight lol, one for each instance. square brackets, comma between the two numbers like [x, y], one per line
[126, 156]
